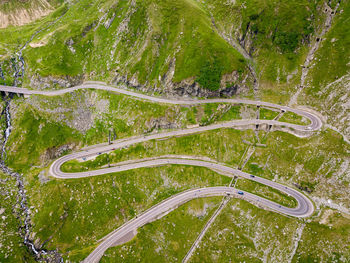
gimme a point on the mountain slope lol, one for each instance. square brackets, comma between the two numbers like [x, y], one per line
[187, 47]
[163, 43]
[21, 12]
[327, 87]
[260, 49]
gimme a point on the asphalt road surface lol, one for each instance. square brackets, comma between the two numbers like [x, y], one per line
[304, 206]
[316, 123]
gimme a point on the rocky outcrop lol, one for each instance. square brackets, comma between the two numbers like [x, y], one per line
[190, 88]
[77, 110]
[246, 40]
[56, 152]
[50, 82]
[230, 85]
[160, 123]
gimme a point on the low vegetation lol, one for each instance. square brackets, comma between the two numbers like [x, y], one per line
[244, 232]
[326, 240]
[168, 239]
[317, 163]
[291, 117]
[12, 248]
[191, 145]
[74, 214]
[130, 38]
[173, 44]
[266, 192]
[266, 114]
[327, 85]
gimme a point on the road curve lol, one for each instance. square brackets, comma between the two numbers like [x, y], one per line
[164, 207]
[304, 206]
[316, 122]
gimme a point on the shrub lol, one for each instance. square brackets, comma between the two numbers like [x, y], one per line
[210, 75]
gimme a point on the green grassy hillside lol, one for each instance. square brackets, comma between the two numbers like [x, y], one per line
[236, 48]
[170, 46]
[327, 87]
[149, 42]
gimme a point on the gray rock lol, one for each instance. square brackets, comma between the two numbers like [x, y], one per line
[43, 179]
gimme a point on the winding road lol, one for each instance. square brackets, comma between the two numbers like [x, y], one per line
[304, 206]
[316, 122]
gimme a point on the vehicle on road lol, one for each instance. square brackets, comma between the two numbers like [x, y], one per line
[252, 176]
[240, 192]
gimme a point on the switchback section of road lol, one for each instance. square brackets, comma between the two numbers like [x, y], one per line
[315, 125]
[304, 206]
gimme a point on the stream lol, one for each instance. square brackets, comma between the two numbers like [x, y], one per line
[25, 228]
[1, 74]
[24, 214]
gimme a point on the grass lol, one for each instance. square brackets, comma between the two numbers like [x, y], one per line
[266, 114]
[232, 114]
[325, 242]
[12, 39]
[49, 123]
[127, 117]
[158, 32]
[331, 60]
[242, 232]
[291, 117]
[210, 75]
[167, 239]
[41, 137]
[289, 26]
[276, 34]
[64, 212]
[64, 215]
[315, 161]
[12, 248]
[192, 145]
[266, 192]
[70, 211]
[73, 214]
[245, 233]
[78, 45]
[326, 89]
